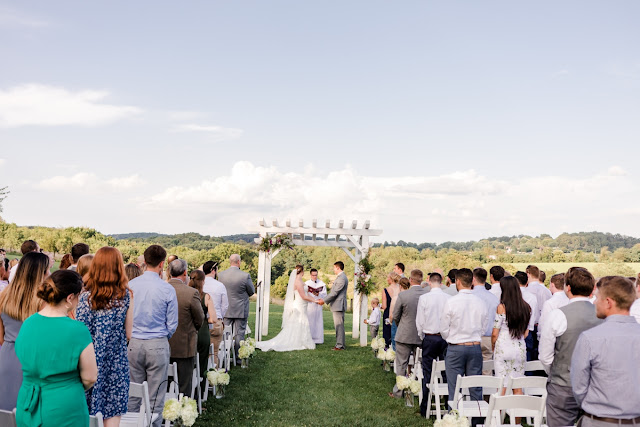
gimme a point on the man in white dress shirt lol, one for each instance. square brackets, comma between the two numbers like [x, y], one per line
[449, 285]
[218, 293]
[462, 324]
[530, 299]
[314, 311]
[558, 299]
[430, 307]
[542, 295]
[495, 274]
[491, 302]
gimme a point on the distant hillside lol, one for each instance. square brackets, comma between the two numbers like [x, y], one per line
[135, 236]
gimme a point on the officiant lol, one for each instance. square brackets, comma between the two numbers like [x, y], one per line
[317, 290]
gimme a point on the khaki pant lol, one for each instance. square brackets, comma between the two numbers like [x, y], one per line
[215, 333]
[487, 352]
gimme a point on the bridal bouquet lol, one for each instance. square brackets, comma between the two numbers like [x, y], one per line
[182, 411]
[452, 419]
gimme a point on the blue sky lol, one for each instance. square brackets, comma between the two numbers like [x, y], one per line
[436, 120]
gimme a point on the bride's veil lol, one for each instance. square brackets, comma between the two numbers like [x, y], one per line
[288, 299]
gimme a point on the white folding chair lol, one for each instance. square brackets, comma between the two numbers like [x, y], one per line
[531, 386]
[94, 420]
[144, 417]
[437, 388]
[228, 337]
[195, 385]
[210, 365]
[8, 418]
[516, 406]
[418, 371]
[473, 408]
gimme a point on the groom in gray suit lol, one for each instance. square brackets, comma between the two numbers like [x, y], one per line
[337, 299]
[239, 289]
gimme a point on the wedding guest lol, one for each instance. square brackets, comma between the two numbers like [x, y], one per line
[106, 308]
[317, 290]
[27, 247]
[491, 303]
[558, 299]
[542, 295]
[239, 289]
[388, 295]
[165, 274]
[462, 324]
[218, 293]
[428, 313]
[52, 392]
[196, 281]
[374, 319]
[510, 327]
[542, 277]
[404, 284]
[84, 264]
[449, 287]
[77, 251]
[132, 271]
[399, 269]
[184, 341]
[530, 299]
[155, 319]
[4, 272]
[404, 314]
[140, 262]
[65, 262]
[18, 301]
[604, 365]
[495, 274]
[558, 340]
[635, 308]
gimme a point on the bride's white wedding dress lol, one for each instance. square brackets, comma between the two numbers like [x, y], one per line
[295, 333]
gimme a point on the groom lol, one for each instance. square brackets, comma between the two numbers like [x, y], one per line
[337, 299]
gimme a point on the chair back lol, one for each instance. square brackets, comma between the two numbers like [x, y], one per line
[484, 381]
[533, 365]
[94, 420]
[8, 418]
[518, 406]
[172, 379]
[437, 367]
[532, 386]
[141, 391]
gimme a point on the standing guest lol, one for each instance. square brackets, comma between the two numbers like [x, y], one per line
[155, 319]
[374, 319]
[605, 377]
[510, 327]
[84, 264]
[399, 269]
[404, 284]
[530, 299]
[4, 272]
[18, 301]
[337, 300]
[558, 299]
[184, 342]
[239, 289]
[428, 315]
[132, 271]
[106, 308]
[317, 290]
[27, 246]
[388, 296]
[558, 340]
[52, 392]
[449, 287]
[404, 314]
[462, 324]
[196, 281]
[542, 295]
[65, 262]
[218, 293]
[495, 274]
[140, 262]
[165, 274]
[491, 303]
[542, 277]
[77, 251]
[635, 308]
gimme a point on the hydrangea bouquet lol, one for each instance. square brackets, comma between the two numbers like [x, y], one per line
[387, 356]
[182, 411]
[452, 419]
[377, 344]
[246, 350]
[410, 386]
[220, 379]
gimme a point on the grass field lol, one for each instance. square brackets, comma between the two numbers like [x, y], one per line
[311, 388]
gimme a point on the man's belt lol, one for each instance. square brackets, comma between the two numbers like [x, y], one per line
[467, 343]
[614, 420]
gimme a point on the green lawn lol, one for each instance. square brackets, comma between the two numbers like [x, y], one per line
[310, 388]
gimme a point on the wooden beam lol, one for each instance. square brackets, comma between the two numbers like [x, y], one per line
[262, 223]
[348, 252]
[324, 243]
[354, 224]
[275, 223]
[288, 223]
[367, 223]
[320, 230]
[341, 223]
[357, 245]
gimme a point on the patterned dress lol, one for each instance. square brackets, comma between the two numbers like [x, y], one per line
[110, 394]
[510, 354]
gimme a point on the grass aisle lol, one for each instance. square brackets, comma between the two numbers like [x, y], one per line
[313, 388]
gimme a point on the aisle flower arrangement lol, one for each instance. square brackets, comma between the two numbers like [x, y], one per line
[410, 386]
[387, 356]
[182, 411]
[270, 244]
[247, 349]
[377, 344]
[220, 379]
[452, 419]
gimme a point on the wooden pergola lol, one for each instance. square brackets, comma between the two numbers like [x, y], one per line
[347, 238]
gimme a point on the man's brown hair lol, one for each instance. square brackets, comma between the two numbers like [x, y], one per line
[480, 274]
[620, 289]
[416, 275]
[533, 270]
[542, 277]
[28, 246]
[558, 281]
[154, 255]
[465, 276]
[580, 280]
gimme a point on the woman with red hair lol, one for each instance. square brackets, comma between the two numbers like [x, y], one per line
[107, 309]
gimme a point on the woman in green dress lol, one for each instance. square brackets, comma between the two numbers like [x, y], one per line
[57, 357]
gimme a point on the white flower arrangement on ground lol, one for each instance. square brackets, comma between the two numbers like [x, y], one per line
[218, 377]
[409, 384]
[182, 411]
[389, 355]
[378, 343]
[452, 419]
[244, 352]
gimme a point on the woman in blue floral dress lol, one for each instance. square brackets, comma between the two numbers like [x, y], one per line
[107, 310]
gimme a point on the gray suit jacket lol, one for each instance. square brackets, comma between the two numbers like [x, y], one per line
[404, 314]
[239, 289]
[337, 298]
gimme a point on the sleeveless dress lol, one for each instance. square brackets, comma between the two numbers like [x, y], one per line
[10, 368]
[110, 394]
[51, 394]
[295, 333]
[386, 329]
[510, 355]
[203, 339]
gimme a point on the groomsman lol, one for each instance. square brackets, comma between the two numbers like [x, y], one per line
[429, 311]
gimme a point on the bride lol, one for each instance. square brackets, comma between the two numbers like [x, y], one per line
[295, 333]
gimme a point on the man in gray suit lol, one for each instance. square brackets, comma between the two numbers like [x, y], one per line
[239, 289]
[337, 299]
[404, 314]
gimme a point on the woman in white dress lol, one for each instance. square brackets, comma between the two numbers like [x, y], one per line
[295, 333]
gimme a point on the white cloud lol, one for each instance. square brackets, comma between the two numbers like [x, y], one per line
[217, 133]
[42, 105]
[89, 182]
[14, 19]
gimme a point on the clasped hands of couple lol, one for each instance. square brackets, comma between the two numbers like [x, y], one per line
[319, 302]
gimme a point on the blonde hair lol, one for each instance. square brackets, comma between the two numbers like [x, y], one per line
[376, 300]
[84, 263]
[19, 300]
[395, 277]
